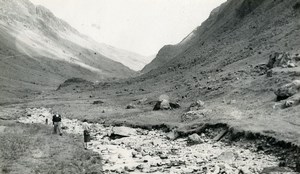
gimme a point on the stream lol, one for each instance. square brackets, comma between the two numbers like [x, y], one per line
[144, 151]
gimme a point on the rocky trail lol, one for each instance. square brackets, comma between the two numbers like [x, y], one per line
[128, 150]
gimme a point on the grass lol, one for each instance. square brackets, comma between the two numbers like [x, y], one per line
[13, 145]
[34, 149]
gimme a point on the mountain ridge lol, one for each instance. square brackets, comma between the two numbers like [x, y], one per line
[40, 51]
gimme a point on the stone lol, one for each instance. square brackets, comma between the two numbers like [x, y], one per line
[194, 115]
[174, 105]
[289, 103]
[220, 135]
[195, 139]
[134, 154]
[97, 102]
[130, 106]
[291, 65]
[283, 60]
[165, 104]
[142, 101]
[287, 90]
[228, 156]
[156, 106]
[123, 131]
[129, 168]
[187, 170]
[163, 156]
[172, 135]
[196, 106]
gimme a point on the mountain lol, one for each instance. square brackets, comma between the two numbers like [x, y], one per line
[238, 29]
[39, 51]
[130, 59]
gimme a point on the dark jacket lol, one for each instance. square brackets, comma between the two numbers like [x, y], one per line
[56, 118]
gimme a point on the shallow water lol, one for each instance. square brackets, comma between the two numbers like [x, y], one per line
[150, 151]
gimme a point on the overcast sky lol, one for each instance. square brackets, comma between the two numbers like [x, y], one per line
[141, 26]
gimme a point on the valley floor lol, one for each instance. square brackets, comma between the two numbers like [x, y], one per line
[245, 123]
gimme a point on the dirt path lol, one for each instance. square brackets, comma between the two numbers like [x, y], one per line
[144, 151]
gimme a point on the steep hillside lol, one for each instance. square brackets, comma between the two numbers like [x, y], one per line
[236, 30]
[39, 51]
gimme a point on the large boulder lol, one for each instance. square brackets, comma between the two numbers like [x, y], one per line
[288, 90]
[284, 60]
[123, 131]
[165, 104]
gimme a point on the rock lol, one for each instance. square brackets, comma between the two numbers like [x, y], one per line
[283, 60]
[163, 156]
[129, 168]
[165, 104]
[97, 102]
[130, 106]
[291, 65]
[64, 127]
[288, 90]
[195, 139]
[138, 149]
[194, 115]
[163, 97]
[289, 103]
[157, 106]
[172, 135]
[228, 156]
[196, 106]
[134, 154]
[123, 131]
[292, 101]
[190, 116]
[244, 170]
[220, 135]
[174, 105]
[187, 170]
[142, 101]
[191, 128]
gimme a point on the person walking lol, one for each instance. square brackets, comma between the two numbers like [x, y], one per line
[56, 120]
[86, 133]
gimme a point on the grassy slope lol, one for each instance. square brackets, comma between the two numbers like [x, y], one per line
[34, 149]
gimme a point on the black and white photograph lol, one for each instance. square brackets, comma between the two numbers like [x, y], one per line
[149, 86]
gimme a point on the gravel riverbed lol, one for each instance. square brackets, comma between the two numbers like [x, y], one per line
[144, 151]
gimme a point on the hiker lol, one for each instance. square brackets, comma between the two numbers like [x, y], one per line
[56, 119]
[86, 133]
